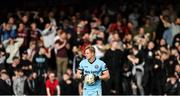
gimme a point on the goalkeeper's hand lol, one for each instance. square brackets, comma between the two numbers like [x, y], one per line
[96, 77]
[83, 77]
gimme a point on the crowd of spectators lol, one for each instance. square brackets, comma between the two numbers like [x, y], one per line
[40, 49]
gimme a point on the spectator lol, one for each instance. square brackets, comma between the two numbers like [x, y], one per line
[68, 85]
[48, 35]
[11, 22]
[22, 32]
[113, 58]
[31, 50]
[5, 88]
[15, 65]
[172, 86]
[34, 32]
[27, 66]
[30, 84]
[77, 59]
[149, 55]
[52, 85]
[100, 48]
[7, 32]
[141, 38]
[40, 61]
[136, 59]
[173, 29]
[3, 56]
[126, 79]
[12, 48]
[18, 82]
[61, 46]
[83, 25]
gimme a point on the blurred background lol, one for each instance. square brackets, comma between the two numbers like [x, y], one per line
[44, 40]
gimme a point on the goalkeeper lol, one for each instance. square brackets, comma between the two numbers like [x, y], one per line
[92, 70]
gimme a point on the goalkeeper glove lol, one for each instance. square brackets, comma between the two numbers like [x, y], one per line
[96, 78]
[82, 77]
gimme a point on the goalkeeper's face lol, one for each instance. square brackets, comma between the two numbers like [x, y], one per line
[89, 55]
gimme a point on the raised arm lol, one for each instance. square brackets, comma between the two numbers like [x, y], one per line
[133, 59]
[166, 24]
[57, 46]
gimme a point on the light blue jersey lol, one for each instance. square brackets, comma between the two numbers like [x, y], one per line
[96, 68]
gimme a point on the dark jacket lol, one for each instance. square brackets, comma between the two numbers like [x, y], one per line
[5, 89]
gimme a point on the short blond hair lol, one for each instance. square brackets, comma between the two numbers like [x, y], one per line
[90, 48]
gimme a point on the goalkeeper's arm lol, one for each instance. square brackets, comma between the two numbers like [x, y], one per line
[105, 75]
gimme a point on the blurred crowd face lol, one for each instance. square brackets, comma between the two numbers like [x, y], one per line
[21, 27]
[106, 19]
[99, 42]
[51, 14]
[177, 21]
[69, 72]
[4, 76]
[33, 26]
[65, 77]
[162, 42]
[128, 37]
[75, 49]
[73, 18]
[42, 51]
[150, 45]
[116, 37]
[115, 45]
[147, 21]
[16, 61]
[24, 55]
[85, 37]
[130, 25]
[32, 45]
[34, 75]
[141, 31]
[6, 27]
[51, 76]
[47, 25]
[21, 73]
[62, 35]
[177, 68]
[25, 18]
[11, 20]
[16, 73]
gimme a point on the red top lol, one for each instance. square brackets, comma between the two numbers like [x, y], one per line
[52, 86]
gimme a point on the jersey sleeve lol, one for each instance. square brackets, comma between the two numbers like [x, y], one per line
[104, 67]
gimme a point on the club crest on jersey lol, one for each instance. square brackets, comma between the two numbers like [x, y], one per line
[96, 66]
